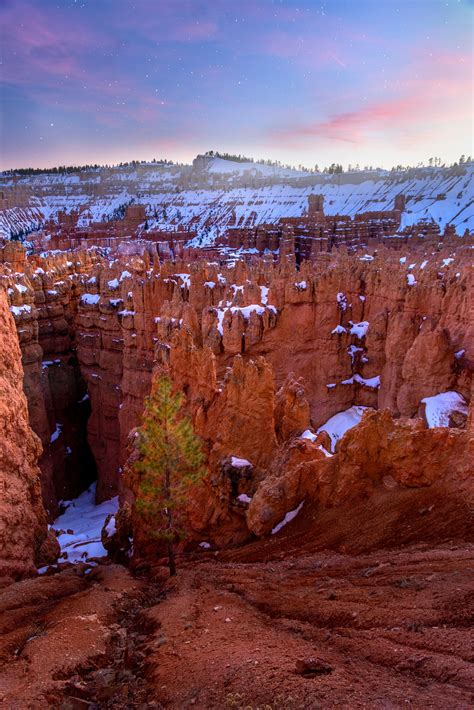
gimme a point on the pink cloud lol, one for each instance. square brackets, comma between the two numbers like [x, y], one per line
[438, 89]
[40, 45]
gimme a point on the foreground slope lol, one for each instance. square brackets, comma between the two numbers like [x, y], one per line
[363, 607]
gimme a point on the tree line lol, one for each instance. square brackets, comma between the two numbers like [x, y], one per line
[333, 168]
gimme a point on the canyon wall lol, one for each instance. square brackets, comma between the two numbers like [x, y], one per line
[262, 350]
[24, 538]
[43, 293]
[229, 194]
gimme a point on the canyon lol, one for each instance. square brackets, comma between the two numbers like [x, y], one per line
[327, 368]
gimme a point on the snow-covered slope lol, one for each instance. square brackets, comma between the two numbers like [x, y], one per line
[224, 193]
[219, 165]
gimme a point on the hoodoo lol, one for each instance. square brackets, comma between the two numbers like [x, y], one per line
[236, 395]
[326, 377]
[24, 539]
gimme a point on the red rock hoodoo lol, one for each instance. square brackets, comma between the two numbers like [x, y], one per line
[326, 362]
[24, 538]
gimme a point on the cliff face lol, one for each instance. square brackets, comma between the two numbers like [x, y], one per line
[231, 194]
[43, 295]
[281, 350]
[263, 352]
[24, 539]
[378, 453]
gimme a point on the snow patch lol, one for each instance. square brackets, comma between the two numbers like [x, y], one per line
[337, 425]
[288, 518]
[240, 463]
[86, 520]
[359, 329]
[372, 382]
[56, 433]
[19, 310]
[439, 408]
[90, 298]
[110, 528]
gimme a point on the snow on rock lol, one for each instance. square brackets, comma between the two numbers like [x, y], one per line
[411, 281]
[110, 528]
[359, 329]
[186, 278]
[341, 301]
[245, 310]
[337, 425]
[288, 518]
[220, 195]
[19, 310]
[56, 433]
[352, 351]
[86, 520]
[310, 436]
[440, 407]
[338, 330]
[90, 298]
[373, 382]
[244, 498]
[240, 463]
[113, 284]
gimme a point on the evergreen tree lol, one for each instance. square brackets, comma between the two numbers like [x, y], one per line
[171, 462]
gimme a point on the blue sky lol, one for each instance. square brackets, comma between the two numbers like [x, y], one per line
[366, 82]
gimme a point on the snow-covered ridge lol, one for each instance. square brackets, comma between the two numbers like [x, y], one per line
[227, 193]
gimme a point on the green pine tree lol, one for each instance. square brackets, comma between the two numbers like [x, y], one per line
[171, 462]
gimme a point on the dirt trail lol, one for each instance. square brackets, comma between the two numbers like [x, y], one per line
[54, 630]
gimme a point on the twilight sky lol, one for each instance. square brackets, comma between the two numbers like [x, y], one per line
[370, 81]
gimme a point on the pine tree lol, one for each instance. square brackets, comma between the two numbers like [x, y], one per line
[171, 462]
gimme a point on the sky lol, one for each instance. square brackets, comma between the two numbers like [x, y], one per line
[374, 82]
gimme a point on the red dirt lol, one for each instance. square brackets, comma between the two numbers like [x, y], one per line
[362, 607]
[394, 625]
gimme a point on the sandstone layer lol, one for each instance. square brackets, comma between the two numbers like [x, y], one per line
[24, 539]
[262, 350]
